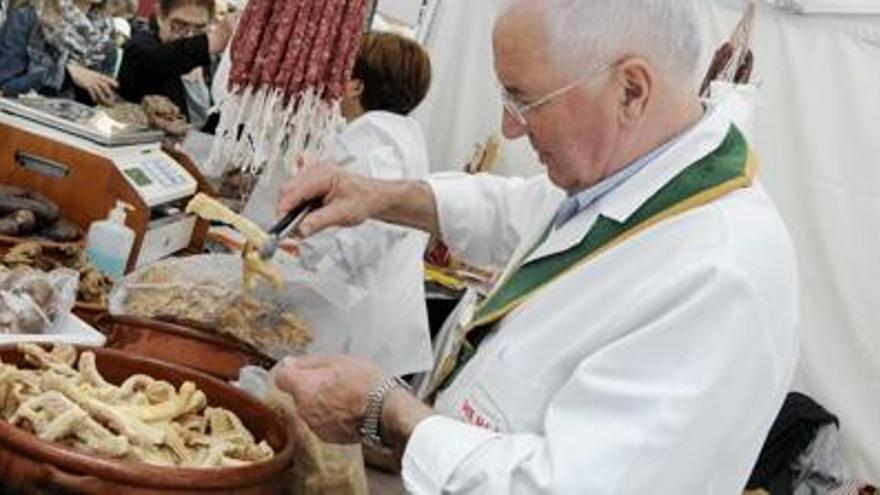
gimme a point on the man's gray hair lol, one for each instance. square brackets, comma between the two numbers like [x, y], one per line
[585, 34]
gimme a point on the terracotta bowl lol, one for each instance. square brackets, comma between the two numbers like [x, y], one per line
[35, 466]
[188, 346]
[89, 312]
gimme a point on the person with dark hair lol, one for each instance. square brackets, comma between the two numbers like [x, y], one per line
[171, 55]
[391, 74]
[390, 324]
[60, 48]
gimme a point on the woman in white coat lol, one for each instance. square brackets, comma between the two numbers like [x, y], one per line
[390, 324]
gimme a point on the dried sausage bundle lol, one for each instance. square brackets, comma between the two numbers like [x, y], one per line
[734, 60]
[291, 60]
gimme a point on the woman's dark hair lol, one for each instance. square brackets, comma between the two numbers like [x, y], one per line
[166, 6]
[395, 72]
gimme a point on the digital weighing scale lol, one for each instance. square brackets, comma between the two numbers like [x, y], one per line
[85, 161]
[78, 119]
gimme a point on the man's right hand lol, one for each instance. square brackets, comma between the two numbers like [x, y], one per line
[101, 88]
[349, 199]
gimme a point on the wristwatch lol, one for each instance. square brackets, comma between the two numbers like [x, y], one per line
[370, 429]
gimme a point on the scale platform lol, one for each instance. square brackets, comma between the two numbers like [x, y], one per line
[78, 119]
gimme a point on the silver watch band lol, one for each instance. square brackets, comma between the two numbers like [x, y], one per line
[373, 415]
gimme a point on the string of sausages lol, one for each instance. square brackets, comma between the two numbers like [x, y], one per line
[291, 60]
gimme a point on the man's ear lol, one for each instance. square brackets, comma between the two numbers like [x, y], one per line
[636, 85]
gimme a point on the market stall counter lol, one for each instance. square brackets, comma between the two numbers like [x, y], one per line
[48, 150]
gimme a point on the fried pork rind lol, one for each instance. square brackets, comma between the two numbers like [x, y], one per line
[141, 420]
[198, 291]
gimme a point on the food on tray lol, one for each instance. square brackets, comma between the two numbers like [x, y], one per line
[94, 286]
[61, 231]
[163, 114]
[32, 300]
[253, 265]
[161, 292]
[65, 399]
[154, 111]
[18, 223]
[127, 113]
[26, 213]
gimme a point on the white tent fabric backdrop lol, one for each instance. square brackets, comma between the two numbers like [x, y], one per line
[463, 107]
[816, 128]
[831, 6]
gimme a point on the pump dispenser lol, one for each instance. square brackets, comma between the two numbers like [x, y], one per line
[110, 241]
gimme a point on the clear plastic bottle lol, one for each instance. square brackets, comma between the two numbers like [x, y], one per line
[110, 241]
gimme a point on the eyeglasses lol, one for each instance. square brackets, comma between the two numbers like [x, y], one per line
[518, 109]
[184, 28]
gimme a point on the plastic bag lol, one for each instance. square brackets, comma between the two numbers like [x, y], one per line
[206, 291]
[318, 467]
[33, 301]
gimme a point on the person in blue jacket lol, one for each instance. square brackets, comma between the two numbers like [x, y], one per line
[60, 48]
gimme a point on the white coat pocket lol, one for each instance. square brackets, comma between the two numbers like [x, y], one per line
[503, 400]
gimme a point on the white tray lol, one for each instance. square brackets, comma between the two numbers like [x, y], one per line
[68, 330]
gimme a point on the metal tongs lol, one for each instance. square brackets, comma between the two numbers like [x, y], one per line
[286, 225]
[291, 221]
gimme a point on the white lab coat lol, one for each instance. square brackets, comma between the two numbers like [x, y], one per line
[657, 368]
[390, 324]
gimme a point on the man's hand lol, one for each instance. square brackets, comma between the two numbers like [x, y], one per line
[101, 88]
[351, 199]
[331, 395]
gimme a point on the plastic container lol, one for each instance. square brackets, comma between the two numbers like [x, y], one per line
[110, 241]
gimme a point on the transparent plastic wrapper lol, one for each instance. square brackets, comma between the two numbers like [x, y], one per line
[32, 301]
[318, 467]
[206, 292]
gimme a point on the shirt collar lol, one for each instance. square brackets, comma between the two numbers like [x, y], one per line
[580, 201]
[696, 143]
[623, 200]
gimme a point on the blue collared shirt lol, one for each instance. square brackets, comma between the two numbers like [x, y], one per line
[580, 201]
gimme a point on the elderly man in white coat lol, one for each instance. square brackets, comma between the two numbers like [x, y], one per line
[642, 337]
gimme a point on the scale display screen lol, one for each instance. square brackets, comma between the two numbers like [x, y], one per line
[157, 177]
[138, 176]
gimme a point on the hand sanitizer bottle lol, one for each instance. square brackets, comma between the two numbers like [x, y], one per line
[110, 241]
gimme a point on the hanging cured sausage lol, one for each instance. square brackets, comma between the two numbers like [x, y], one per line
[290, 63]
